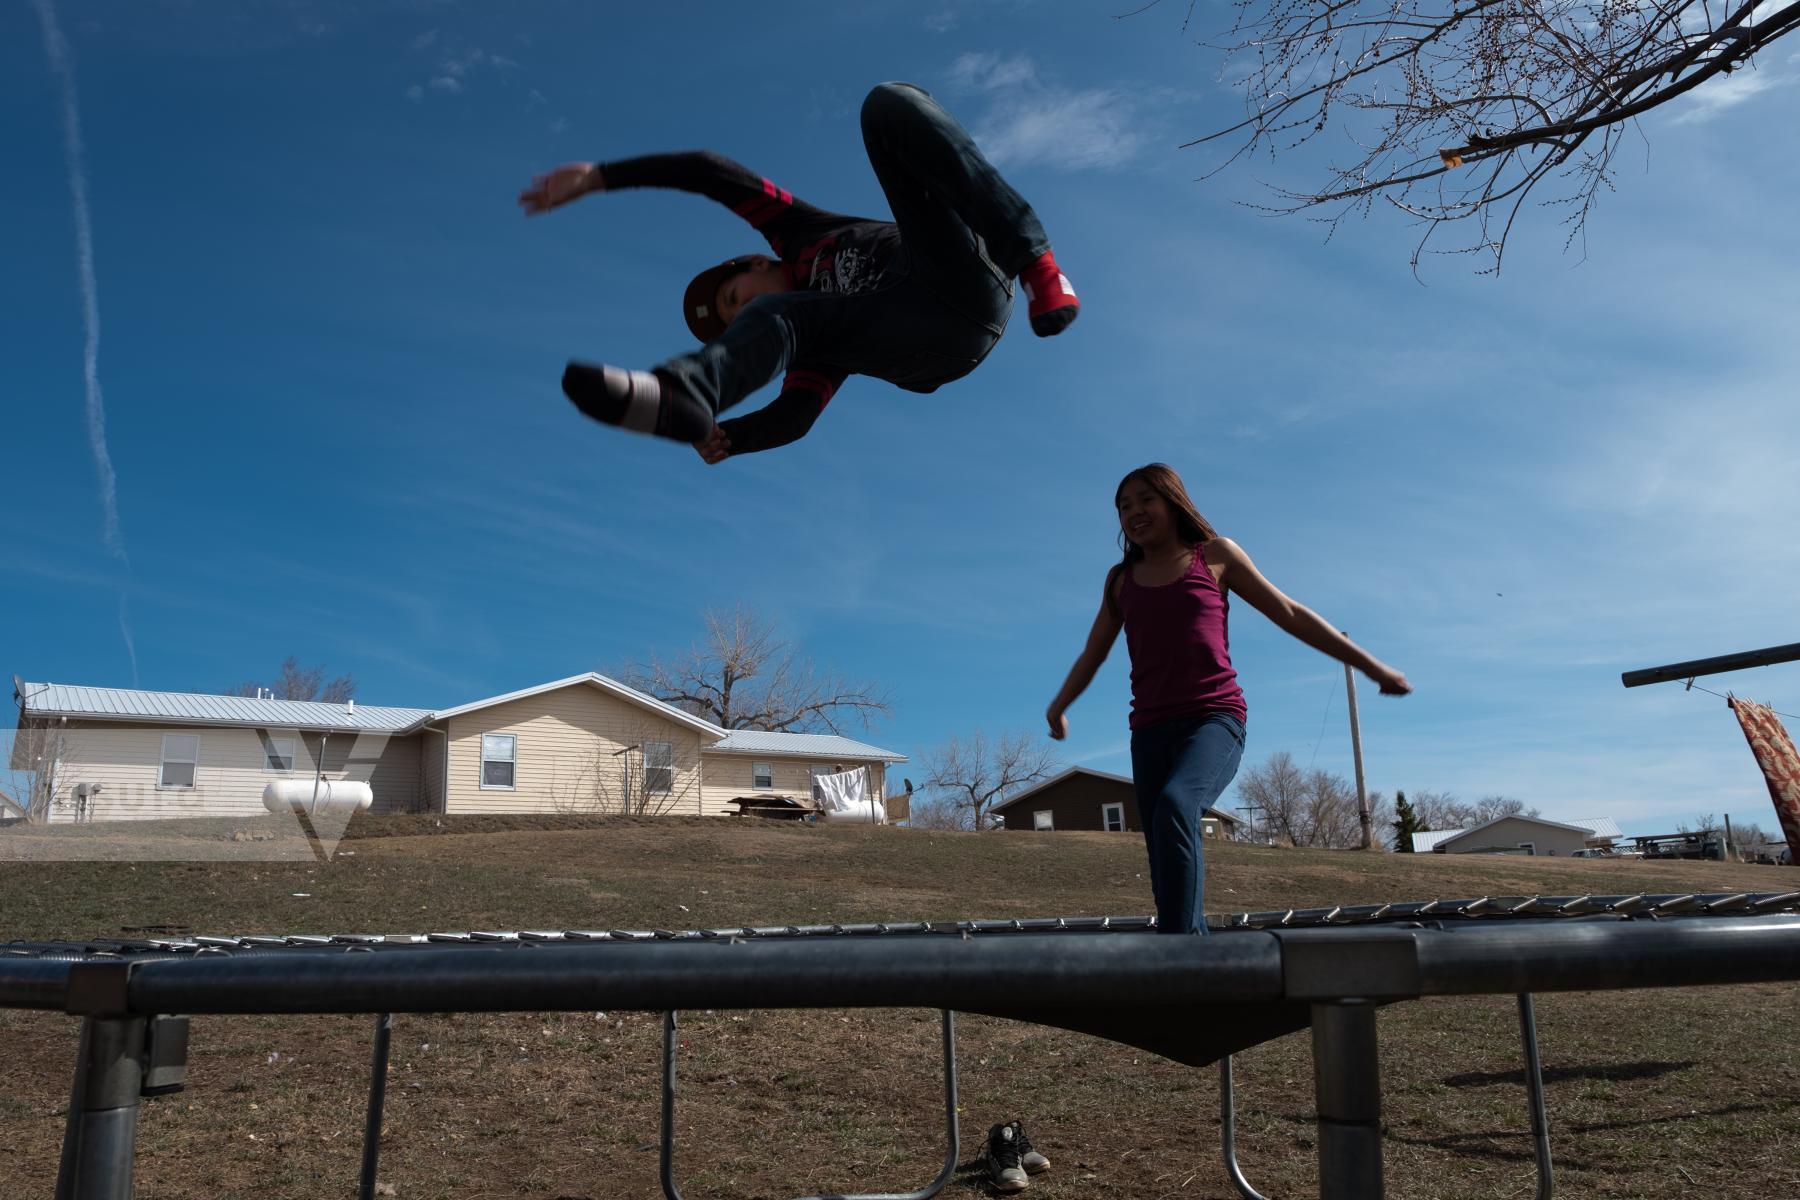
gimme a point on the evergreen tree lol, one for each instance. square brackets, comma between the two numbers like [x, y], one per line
[1406, 823]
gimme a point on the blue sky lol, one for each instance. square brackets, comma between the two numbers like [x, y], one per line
[329, 349]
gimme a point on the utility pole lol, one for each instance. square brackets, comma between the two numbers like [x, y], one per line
[1362, 792]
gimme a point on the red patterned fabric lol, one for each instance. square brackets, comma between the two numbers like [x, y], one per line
[1779, 761]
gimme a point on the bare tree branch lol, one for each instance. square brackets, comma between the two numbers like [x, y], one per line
[1456, 110]
[744, 675]
[975, 773]
[295, 682]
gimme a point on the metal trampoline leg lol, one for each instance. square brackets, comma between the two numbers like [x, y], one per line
[1347, 1084]
[952, 1138]
[1228, 1133]
[1534, 1090]
[371, 1155]
[100, 1139]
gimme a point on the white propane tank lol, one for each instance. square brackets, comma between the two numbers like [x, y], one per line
[868, 812]
[334, 796]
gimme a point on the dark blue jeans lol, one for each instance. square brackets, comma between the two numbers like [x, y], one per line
[1178, 769]
[964, 232]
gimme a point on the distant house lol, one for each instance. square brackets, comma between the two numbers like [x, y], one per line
[1083, 798]
[582, 744]
[1520, 835]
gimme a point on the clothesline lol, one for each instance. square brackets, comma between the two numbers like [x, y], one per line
[1694, 687]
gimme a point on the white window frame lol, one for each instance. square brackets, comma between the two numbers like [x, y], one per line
[1110, 812]
[1043, 821]
[162, 768]
[668, 754]
[513, 762]
[760, 771]
[1529, 848]
[271, 752]
[813, 771]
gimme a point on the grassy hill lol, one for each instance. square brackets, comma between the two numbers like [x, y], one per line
[1651, 1094]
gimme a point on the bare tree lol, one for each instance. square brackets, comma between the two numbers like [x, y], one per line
[1441, 810]
[295, 682]
[745, 675]
[34, 781]
[977, 772]
[1306, 808]
[1454, 111]
[941, 813]
[1490, 808]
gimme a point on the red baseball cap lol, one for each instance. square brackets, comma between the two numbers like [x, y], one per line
[700, 304]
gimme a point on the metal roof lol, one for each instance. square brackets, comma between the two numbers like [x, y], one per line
[1423, 842]
[190, 708]
[811, 745]
[1602, 826]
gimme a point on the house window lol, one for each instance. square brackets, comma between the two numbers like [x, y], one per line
[1042, 819]
[1529, 848]
[180, 759]
[1112, 818]
[499, 760]
[278, 754]
[762, 775]
[659, 768]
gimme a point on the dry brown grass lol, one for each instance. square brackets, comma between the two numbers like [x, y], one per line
[1652, 1094]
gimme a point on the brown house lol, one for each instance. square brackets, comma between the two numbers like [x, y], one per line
[1085, 799]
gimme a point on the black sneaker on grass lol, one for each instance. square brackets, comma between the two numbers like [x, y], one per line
[1033, 1162]
[1004, 1167]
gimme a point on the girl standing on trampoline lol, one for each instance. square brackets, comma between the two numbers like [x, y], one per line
[918, 301]
[1169, 594]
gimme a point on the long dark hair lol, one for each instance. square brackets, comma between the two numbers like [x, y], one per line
[1190, 526]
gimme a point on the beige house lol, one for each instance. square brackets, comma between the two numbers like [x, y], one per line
[1519, 834]
[585, 744]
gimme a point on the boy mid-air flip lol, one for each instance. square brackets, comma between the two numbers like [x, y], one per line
[918, 301]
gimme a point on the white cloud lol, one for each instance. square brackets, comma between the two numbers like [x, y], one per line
[1710, 99]
[1030, 122]
[559, 125]
[1082, 130]
[425, 40]
[446, 83]
[942, 22]
[415, 93]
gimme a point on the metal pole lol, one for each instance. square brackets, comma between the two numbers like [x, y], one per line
[1362, 792]
[1347, 1086]
[1228, 1133]
[1730, 843]
[1534, 1090]
[1712, 666]
[101, 1136]
[371, 1156]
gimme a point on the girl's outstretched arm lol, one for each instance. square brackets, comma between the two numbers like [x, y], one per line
[1100, 641]
[1242, 577]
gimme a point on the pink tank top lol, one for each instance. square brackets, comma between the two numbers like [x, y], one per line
[1180, 652]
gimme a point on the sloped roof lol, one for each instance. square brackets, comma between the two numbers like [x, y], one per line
[1604, 827]
[1459, 834]
[1053, 781]
[1424, 841]
[196, 708]
[604, 683]
[809, 745]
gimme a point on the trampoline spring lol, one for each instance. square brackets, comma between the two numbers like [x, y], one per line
[1776, 900]
[1676, 904]
[1725, 903]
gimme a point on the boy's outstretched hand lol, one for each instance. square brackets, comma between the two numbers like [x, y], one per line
[715, 447]
[553, 189]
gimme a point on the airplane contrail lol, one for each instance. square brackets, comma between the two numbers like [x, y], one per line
[57, 50]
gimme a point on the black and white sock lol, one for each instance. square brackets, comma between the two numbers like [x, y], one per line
[641, 401]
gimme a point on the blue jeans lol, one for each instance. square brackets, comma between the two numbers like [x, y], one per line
[1178, 769]
[964, 234]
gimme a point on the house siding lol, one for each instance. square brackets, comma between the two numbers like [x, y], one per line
[1507, 834]
[728, 776]
[125, 761]
[1075, 804]
[569, 756]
